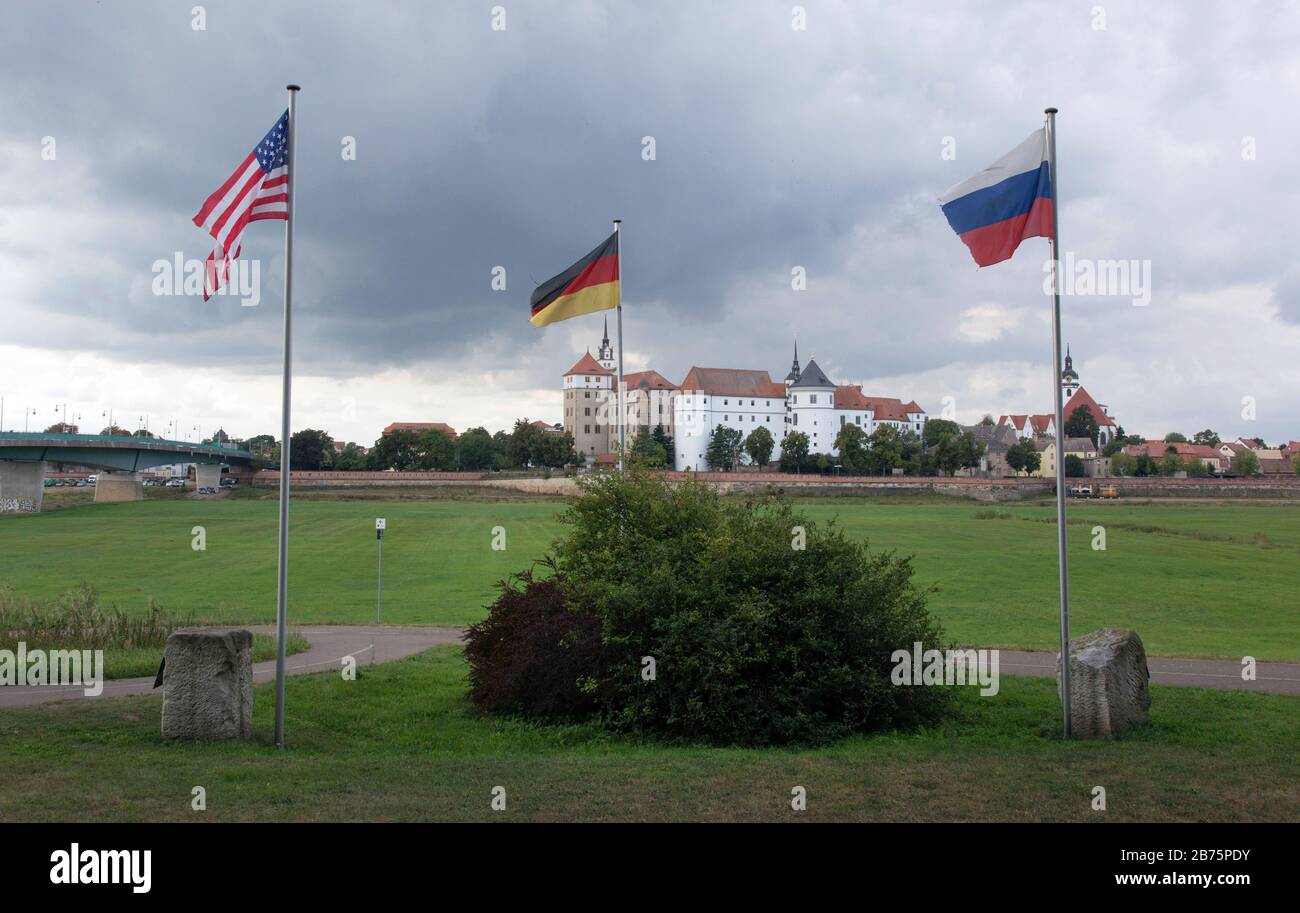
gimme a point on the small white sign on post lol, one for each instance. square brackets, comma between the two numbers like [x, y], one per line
[380, 524]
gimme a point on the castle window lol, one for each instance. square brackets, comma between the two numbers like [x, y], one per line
[812, 398]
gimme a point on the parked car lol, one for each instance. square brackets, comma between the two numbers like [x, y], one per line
[93, 479]
[49, 483]
[208, 490]
[229, 481]
[175, 483]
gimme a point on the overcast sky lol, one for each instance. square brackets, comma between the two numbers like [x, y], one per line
[775, 147]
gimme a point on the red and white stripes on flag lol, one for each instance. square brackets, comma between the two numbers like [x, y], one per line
[258, 189]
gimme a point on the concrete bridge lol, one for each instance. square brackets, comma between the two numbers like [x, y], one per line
[24, 458]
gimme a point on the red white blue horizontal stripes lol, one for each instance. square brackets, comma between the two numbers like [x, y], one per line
[258, 189]
[1005, 203]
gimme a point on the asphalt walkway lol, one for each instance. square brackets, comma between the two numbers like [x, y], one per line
[329, 645]
[370, 644]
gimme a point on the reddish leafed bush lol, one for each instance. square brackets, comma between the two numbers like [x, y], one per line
[533, 655]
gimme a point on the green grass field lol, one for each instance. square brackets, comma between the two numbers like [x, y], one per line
[402, 743]
[1194, 579]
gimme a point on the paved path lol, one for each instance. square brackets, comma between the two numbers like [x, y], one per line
[329, 644]
[1223, 674]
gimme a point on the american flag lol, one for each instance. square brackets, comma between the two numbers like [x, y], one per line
[258, 189]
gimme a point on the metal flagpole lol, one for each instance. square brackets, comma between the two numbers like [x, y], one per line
[622, 414]
[282, 593]
[1060, 422]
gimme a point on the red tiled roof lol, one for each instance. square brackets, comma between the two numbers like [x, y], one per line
[587, 365]
[1157, 449]
[732, 382]
[886, 409]
[1082, 397]
[1028, 425]
[421, 426]
[654, 380]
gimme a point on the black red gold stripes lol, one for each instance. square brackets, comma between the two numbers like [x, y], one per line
[589, 285]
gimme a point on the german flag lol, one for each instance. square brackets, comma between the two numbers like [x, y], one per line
[589, 285]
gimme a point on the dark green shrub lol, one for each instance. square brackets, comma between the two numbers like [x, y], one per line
[755, 640]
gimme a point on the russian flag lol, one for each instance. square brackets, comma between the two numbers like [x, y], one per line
[1005, 203]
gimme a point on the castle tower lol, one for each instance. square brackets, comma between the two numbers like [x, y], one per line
[794, 368]
[605, 354]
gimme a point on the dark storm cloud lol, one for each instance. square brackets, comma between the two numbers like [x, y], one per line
[775, 149]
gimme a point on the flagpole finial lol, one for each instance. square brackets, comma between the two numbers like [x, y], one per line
[1049, 110]
[292, 87]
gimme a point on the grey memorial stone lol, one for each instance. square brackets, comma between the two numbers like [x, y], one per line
[208, 684]
[1108, 683]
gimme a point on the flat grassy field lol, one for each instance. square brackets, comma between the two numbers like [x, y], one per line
[1194, 579]
[402, 743]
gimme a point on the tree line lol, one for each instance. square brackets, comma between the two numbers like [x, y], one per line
[430, 450]
[943, 448]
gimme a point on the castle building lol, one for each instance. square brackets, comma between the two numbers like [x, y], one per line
[807, 400]
[588, 388]
[736, 398]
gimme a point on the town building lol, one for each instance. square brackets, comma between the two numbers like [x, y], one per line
[996, 441]
[1213, 458]
[1073, 396]
[1081, 447]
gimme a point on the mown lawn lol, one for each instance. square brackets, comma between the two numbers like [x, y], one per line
[402, 743]
[1193, 579]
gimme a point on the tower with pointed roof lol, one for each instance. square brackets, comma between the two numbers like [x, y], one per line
[810, 406]
[605, 353]
[1069, 378]
[794, 367]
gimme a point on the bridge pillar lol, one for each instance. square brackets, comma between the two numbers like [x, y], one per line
[22, 483]
[119, 486]
[207, 475]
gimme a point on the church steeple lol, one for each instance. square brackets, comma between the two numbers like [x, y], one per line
[1069, 377]
[794, 368]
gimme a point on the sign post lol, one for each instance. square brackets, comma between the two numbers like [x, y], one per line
[380, 523]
